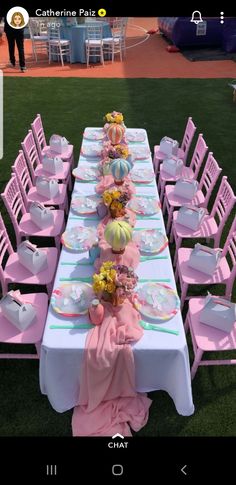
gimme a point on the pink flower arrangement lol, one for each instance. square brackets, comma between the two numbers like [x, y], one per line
[115, 151]
[126, 280]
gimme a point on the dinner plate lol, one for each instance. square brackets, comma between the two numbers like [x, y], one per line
[85, 173]
[91, 151]
[94, 134]
[157, 302]
[79, 238]
[84, 204]
[140, 153]
[72, 299]
[151, 241]
[146, 207]
[135, 136]
[142, 176]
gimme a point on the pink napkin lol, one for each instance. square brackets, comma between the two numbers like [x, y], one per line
[130, 218]
[107, 182]
[130, 258]
[108, 402]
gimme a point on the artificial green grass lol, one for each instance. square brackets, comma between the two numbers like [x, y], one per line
[161, 106]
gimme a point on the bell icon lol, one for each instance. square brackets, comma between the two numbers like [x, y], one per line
[196, 17]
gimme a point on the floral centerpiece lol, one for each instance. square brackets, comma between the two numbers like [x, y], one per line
[114, 283]
[116, 201]
[113, 117]
[115, 151]
[109, 153]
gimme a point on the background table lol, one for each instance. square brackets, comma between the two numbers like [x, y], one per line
[77, 35]
[161, 360]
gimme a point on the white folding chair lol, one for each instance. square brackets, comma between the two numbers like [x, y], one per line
[94, 42]
[38, 38]
[58, 47]
[117, 43]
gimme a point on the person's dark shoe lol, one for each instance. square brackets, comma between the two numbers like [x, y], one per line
[23, 69]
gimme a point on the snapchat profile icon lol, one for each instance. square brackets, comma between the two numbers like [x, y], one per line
[17, 17]
[102, 12]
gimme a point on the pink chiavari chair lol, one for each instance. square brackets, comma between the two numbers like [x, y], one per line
[206, 338]
[35, 166]
[224, 273]
[171, 200]
[43, 148]
[21, 219]
[28, 190]
[11, 271]
[183, 150]
[212, 225]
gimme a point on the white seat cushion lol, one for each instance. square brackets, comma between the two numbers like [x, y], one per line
[40, 37]
[94, 42]
[111, 40]
[57, 42]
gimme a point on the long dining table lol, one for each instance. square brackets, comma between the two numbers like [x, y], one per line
[161, 359]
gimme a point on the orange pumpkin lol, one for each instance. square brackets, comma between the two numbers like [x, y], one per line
[115, 133]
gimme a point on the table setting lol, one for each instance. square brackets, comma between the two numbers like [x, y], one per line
[114, 309]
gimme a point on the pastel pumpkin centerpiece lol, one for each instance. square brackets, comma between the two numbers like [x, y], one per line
[115, 133]
[120, 168]
[118, 234]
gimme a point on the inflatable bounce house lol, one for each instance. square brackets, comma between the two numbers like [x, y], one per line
[209, 33]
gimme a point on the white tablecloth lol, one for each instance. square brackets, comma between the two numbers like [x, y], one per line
[161, 360]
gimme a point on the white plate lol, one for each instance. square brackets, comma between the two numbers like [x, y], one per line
[91, 151]
[85, 173]
[140, 153]
[150, 241]
[157, 301]
[96, 134]
[135, 136]
[84, 204]
[79, 238]
[72, 299]
[142, 176]
[144, 206]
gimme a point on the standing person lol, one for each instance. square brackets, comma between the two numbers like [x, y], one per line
[15, 35]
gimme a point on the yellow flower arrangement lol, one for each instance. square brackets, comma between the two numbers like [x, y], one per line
[115, 205]
[110, 195]
[116, 194]
[105, 280]
[114, 117]
[114, 282]
[107, 198]
[122, 151]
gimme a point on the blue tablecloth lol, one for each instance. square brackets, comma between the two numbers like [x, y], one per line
[77, 35]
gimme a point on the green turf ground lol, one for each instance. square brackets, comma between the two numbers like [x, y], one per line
[161, 106]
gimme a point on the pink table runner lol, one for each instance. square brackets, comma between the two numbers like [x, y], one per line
[108, 402]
